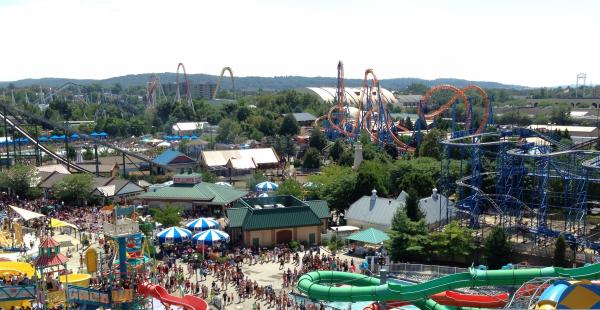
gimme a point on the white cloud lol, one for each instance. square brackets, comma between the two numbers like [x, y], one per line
[530, 43]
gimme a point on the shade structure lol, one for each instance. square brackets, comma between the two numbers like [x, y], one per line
[223, 183]
[94, 134]
[266, 186]
[173, 235]
[263, 195]
[26, 214]
[202, 224]
[55, 223]
[371, 235]
[210, 237]
[43, 139]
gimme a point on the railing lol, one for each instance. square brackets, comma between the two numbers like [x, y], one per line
[17, 292]
[428, 270]
[88, 296]
[123, 227]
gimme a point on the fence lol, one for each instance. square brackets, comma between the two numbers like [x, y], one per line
[428, 270]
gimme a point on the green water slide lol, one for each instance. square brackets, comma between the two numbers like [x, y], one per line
[357, 287]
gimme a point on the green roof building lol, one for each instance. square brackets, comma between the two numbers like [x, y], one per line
[268, 221]
[189, 192]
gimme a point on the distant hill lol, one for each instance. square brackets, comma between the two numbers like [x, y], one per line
[255, 82]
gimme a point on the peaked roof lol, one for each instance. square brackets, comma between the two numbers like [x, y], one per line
[49, 242]
[435, 208]
[258, 156]
[304, 117]
[261, 219]
[378, 212]
[170, 155]
[204, 191]
[371, 235]
[320, 208]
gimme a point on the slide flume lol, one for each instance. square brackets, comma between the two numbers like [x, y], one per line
[188, 302]
[358, 287]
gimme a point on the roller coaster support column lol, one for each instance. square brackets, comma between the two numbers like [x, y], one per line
[67, 148]
[454, 119]
[97, 161]
[123, 262]
[470, 115]
[491, 118]
[38, 155]
[124, 171]
[14, 144]
[6, 139]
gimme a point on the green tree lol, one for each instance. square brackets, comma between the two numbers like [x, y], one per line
[183, 146]
[453, 241]
[311, 159]
[285, 147]
[291, 187]
[336, 185]
[289, 126]
[88, 154]
[168, 216]
[497, 248]
[229, 131]
[254, 179]
[416, 88]
[418, 175]
[560, 255]
[430, 146]
[336, 150]
[74, 188]
[317, 139]
[560, 115]
[347, 158]
[372, 174]
[71, 153]
[20, 179]
[208, 177]
[408, 240]
[412, 207]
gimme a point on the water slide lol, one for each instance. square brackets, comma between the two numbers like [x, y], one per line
[570, 295]
[364, 288]
[188, 302]
[456, 299]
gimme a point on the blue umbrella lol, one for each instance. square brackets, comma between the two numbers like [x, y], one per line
[103, 134]
[266, 186]
[94, 134]
[43, 139]
[174, 235]
[202, 224]
[185, 137]
[168, 138]
[210, 237]
[74, 136]
[54, 137]
[176, 137]
[193, 137]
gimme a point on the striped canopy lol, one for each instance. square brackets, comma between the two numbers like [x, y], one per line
[202, 224]
[174, 235]
[223, 183]
[266, 186]
[210, 237]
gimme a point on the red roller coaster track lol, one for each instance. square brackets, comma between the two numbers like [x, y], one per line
[188, 96]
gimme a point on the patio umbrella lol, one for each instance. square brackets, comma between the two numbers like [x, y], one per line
[43, 139]
[263, 195]
[266, 186]
[103, 134]
[223, 183]
[210, 237]
[174, 235]
[94, 134]
[202, 224]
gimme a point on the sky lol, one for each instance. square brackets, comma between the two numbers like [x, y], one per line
[531, 43]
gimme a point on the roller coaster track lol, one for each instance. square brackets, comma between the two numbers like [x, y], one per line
[228, 69]
[340, 105]
[188, 94]
[59, 89]
[66, 129]
[585, 144]
[42, 147]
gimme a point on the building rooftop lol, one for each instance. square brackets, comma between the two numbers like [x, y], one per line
[320, 208]
[374, 210]
[172, 157]
[304, 117]
[208, 192]
[259, 156]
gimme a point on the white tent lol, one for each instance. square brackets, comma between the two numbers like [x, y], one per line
[26, 214]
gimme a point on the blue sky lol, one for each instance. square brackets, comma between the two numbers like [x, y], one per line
[534, 43]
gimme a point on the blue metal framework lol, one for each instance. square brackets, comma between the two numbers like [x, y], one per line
[531, 180]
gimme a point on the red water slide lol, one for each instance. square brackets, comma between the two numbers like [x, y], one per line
[452, 298]
[188, 302]
[456, 299]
